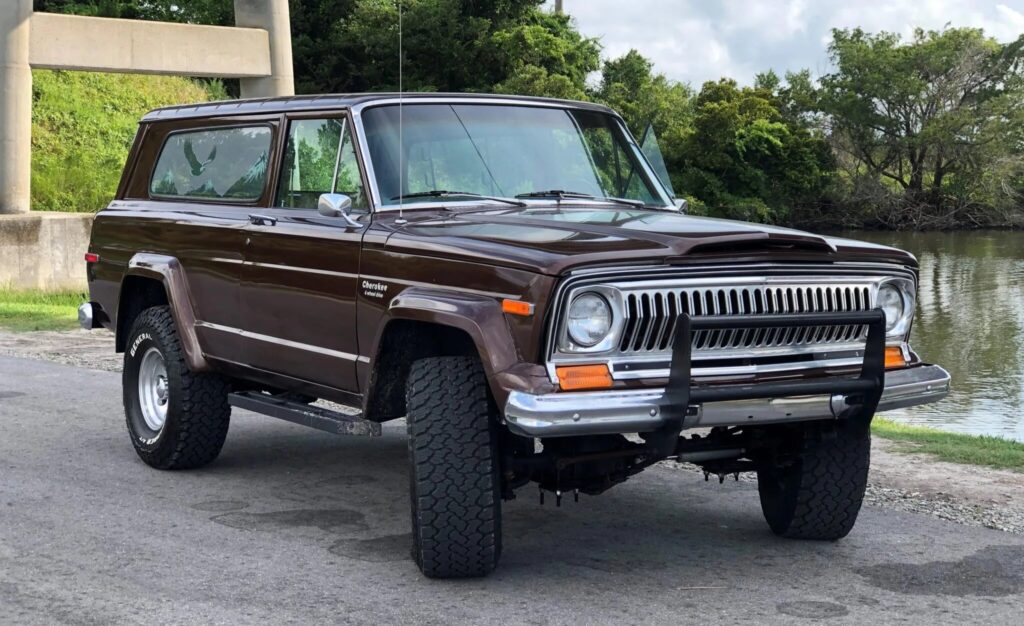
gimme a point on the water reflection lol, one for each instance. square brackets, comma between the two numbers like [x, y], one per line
[970, 319]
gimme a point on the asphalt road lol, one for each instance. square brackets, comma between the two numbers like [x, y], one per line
[291, 525]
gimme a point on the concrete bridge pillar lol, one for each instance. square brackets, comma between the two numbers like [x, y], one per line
[15, 106]
[272, 16]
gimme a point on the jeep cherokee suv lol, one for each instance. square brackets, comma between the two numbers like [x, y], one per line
[511, 275]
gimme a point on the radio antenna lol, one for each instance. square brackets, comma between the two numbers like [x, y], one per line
[401, 144]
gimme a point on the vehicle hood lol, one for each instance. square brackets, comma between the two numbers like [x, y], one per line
[555, 240]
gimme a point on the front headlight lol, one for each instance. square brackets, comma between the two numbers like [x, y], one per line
[891, 302]
[589, 320]
[897, 300]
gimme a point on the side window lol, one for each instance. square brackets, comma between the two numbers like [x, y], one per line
[219, 163]
[319, 158]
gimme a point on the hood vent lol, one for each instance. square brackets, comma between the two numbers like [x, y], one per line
[754, 243]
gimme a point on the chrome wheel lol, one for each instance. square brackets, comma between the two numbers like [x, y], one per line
[153, 389]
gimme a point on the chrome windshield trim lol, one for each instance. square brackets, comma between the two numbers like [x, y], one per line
[377, 204]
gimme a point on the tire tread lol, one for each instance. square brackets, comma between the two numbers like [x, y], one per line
[456, 504]
[829, 480]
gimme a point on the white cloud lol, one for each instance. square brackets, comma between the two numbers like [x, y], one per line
[698, 40]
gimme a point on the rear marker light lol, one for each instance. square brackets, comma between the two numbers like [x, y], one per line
[91, 257]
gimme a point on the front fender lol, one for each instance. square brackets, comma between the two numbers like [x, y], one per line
[481, 318]
[478, 316]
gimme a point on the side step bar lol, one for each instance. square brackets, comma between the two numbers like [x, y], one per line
[304, 414]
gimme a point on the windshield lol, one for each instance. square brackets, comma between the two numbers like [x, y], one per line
[502, 150]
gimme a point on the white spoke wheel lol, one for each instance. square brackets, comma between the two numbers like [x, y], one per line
[153, 389]
[177, 419]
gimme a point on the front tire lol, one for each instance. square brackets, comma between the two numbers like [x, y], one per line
[819, 495]
[454, 481]
[176, 419]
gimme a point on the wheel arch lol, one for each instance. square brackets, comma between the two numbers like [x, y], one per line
[423, 322]
[155, 280]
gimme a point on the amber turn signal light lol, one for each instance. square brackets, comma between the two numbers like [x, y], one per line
[580, 377]
[894, 357]
[516, 307]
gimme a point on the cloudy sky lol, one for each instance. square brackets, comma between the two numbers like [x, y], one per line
[698, 40]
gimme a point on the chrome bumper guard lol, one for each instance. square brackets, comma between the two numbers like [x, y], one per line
[645, 410]
[86, 316]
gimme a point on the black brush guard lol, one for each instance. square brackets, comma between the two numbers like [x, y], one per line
[559, 473]
[681, 393]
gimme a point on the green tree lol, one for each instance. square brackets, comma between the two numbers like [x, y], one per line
[459, 45]
[630, 86]
[929, 116]
[744, 159]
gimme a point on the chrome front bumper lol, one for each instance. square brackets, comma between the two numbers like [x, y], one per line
[609, 412]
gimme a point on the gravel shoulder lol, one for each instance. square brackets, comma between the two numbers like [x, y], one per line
[915, 483]
[91, 349]
[967, 494]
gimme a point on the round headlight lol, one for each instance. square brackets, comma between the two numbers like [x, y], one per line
[890, 300]
[590, 319]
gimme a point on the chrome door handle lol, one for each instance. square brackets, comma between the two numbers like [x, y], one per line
[262, 220]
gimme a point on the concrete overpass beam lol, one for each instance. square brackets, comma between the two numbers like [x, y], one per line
[101, 44]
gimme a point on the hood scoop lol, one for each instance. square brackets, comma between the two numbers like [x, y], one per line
[753, 243]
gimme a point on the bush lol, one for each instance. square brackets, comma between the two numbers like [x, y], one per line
[83, 125]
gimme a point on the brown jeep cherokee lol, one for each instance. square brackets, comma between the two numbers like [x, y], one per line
[511, 275]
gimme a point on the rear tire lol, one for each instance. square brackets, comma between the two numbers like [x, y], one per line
[454, 482]
[176, 419]
[820, 494]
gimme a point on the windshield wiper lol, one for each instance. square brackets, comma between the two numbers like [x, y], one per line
[440, 193]
[561, 194]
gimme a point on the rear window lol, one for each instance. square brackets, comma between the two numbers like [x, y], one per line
[216, 163]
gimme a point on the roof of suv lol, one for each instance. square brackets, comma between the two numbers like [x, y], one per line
[335, 101]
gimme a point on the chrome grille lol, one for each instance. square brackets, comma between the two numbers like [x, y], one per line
[650, 315]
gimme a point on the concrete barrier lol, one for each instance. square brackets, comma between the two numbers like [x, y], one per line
[43, 250]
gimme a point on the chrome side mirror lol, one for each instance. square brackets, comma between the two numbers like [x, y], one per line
[681, 204]
[336, 205]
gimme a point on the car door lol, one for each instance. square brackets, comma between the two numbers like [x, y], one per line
[301, 269]
[207, 177]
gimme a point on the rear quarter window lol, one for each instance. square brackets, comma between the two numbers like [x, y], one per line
[213, 163]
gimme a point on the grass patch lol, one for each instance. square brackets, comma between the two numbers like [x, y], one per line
[36, 310]
[984, 450]
[83, 124]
